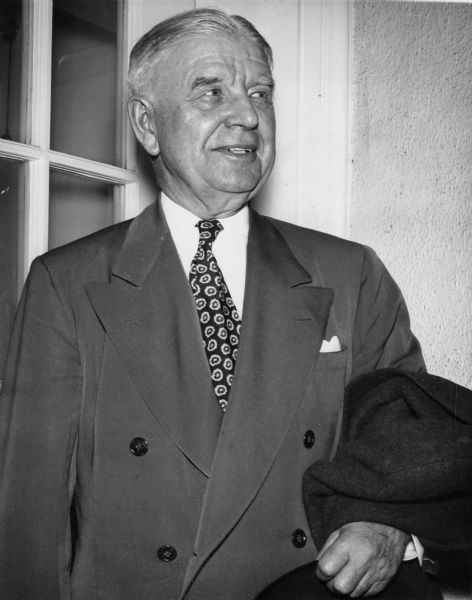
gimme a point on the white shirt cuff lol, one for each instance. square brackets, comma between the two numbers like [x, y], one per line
[414, 550]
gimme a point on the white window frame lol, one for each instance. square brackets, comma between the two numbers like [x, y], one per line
[35, 153]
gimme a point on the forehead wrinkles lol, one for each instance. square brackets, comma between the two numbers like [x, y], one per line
[227, 69]
[222, 58]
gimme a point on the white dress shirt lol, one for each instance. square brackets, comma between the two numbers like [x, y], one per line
[229, 248]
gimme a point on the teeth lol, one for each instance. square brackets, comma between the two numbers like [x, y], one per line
[239, 150]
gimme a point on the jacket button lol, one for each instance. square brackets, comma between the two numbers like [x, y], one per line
[299, 538]
[309, 439]
[138, 446]
[167, 553]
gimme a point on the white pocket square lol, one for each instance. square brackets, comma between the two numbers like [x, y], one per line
[333, 345]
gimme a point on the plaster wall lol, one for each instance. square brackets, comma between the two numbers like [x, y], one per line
[411, 164]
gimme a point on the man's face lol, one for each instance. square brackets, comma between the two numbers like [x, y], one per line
[214, 117]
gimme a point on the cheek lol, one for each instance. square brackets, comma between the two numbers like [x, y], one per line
[194, 134]
[267, 125]
[172, 124]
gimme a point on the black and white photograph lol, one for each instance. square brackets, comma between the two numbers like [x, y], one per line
[236, 301]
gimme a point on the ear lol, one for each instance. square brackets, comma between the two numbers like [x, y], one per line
[141, 114]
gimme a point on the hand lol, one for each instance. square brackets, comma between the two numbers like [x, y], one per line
[359, 559]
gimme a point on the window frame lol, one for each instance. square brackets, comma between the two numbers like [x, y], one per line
[36, 154]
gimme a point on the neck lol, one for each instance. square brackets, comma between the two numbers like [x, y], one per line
[215, 205]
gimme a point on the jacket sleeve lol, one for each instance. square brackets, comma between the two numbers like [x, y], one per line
[39, 411]
[382, 337]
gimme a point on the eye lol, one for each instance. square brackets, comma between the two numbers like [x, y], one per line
[213, 92]
[263, 95]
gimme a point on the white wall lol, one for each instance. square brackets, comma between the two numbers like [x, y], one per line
[412, 164]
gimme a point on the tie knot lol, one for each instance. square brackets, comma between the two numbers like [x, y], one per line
[209, 230]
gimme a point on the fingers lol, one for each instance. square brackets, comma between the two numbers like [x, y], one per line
[331, 563]
[351, 577]
[328, 543]
[366, 588]
[359, 559]
[344, 575]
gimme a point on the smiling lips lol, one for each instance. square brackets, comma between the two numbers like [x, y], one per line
[241, 150]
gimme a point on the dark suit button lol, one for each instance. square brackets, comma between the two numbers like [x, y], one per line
[138, 446]
[167, 553]
[309, 438]
[299, 538]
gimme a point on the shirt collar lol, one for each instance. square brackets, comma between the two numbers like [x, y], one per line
[229, 248]
[182, 223]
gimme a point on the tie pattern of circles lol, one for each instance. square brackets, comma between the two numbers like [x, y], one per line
[219, 319]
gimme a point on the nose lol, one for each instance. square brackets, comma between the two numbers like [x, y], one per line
[242, 113]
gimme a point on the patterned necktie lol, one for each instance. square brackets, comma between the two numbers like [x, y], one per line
[219, 319]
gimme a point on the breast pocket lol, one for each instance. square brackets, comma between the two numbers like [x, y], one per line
[323, 400]
[332, 361]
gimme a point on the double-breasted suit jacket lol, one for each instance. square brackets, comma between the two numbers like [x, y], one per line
[120, 476]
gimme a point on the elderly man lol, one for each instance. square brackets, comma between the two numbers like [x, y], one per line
[168, 383]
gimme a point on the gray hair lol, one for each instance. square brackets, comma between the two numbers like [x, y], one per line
[203, 21]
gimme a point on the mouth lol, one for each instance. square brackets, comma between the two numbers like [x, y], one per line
[242, 150]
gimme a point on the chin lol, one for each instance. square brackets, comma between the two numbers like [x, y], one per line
[240, 183]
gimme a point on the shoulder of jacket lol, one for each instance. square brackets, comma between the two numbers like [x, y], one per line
[87, 257]
[105, 241]
[312, 240]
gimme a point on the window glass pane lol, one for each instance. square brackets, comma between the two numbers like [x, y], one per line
[10, 255]
[84, 75]
[77, 207]
[10, 69]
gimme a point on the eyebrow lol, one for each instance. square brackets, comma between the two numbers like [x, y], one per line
[268, 81]
[200, 82]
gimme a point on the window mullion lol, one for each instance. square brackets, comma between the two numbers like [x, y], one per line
[36, 211]
[36, 127]
[126, 201]
[18, 151]
[121, 72]
[132, 25]
[126, 197]
[38, 70]
[90, 168]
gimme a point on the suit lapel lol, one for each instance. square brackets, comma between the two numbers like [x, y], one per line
[283, 325]
[147, 310]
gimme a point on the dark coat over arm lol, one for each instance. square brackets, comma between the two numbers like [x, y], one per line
[405, 459]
